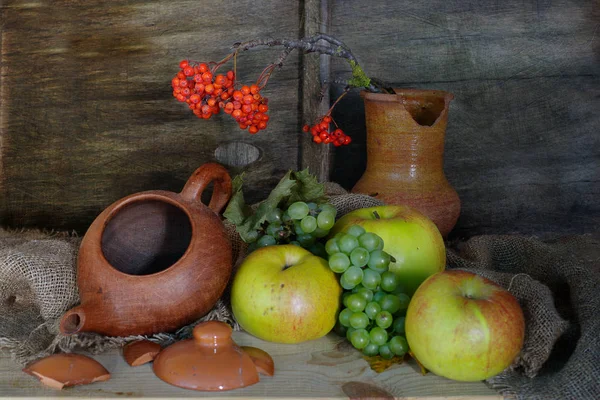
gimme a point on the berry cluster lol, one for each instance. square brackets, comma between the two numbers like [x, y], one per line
[206, 93]
[321, 133]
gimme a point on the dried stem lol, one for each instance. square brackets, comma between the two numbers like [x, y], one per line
[332, 47]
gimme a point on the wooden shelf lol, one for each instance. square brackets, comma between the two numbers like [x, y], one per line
[324, 368]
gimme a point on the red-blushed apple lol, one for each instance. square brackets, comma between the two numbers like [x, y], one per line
[285, 294]
[464, 327]
[409, 236]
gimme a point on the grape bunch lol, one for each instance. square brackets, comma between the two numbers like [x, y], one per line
[374, 305]
[302, 224]
[207, 92]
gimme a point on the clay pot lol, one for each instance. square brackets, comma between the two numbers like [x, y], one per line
[405, 153]
[154, 261]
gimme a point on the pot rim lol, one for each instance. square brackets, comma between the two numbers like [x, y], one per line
[401, 93]
[156, 195]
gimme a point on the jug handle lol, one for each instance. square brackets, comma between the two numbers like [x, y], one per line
[192, 191]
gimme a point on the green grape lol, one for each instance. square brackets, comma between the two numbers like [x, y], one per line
[404, 300]
[326, 220]
[298, 228]
[353, 275]
[369, 241]
[390, 303]
[359, 256]
[367, 294]
[378, 336]
[356, 302]
[320, 233]
[298, 210]
[359, 338]
[338, 262]
[340, 329]
[252, 236]
[372, 309]
[371, 279]
[355, 230]
[378, 296]
[379, 261]
[274, 216]
[251, 247]
[328, 208]
[384, 319]
[339, 235]
[347, 243]
[266, 240]
[332, 247]
[359, 320]
[399, 325]
[296, 243]
[344, 296]
[274, 229]
[346, 285]
[370, 350]
[398, 345]
[389, 281]
[349, 331]
[286, 217]
[306, 239]
[308, 224]
[318, 249]
[344, 317]
[312, 206]
[385, 352]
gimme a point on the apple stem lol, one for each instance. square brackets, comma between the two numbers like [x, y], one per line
[376, 215]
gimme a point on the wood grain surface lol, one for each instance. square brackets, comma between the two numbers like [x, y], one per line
[327, 368]
[87, 114]
[523, 143]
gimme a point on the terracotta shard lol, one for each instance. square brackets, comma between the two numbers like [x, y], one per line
[263, 361]
[62, 370]
[140, 352]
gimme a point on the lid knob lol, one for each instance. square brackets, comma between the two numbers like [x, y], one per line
[212, 333]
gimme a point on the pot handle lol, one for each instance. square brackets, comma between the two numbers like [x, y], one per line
[192, 191]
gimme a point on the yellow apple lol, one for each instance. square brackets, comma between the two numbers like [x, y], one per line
[285, 294]
[464, 327]
[409, 236]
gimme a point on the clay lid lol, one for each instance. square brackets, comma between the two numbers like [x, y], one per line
[210, 361]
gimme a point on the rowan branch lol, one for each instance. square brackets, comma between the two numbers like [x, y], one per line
[332, 47]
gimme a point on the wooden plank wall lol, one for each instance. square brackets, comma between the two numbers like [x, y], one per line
[87, 114]
[523, 141]
[87, 117]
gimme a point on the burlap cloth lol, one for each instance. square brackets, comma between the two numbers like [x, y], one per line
[556, 287]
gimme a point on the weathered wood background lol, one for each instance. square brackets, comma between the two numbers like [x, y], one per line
[523, 139]
[87, 111]
[87, 116]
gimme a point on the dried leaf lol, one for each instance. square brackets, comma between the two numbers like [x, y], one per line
[423, 370]
[380, 364]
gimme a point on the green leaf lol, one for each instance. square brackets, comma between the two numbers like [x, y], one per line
[293, 186]
[237, 210]
[307, 188]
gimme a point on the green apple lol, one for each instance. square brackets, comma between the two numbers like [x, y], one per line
[285, 294]
[464, 327]
[409, 236]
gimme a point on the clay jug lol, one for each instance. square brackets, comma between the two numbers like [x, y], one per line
[405, 153]
[154, 261]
